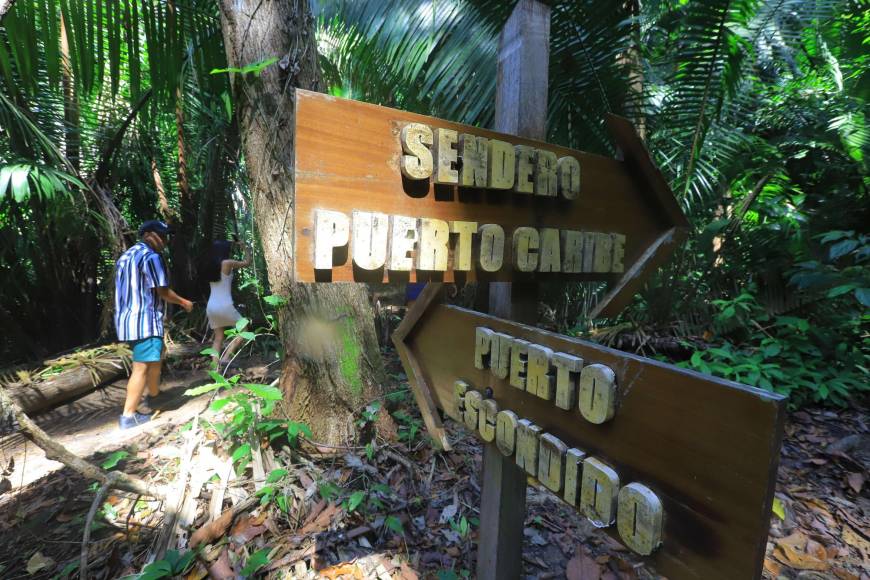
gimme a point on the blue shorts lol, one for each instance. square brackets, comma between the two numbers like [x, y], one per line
[147, 350]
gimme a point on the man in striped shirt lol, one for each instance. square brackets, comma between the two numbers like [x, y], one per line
[141, 293]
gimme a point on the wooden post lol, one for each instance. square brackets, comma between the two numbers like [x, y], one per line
[520, 109]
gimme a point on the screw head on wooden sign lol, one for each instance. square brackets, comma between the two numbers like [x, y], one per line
[388, 196]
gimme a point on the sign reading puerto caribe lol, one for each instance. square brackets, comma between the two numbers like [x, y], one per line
[389, 196]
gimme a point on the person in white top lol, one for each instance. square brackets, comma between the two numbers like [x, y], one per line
[220, 310]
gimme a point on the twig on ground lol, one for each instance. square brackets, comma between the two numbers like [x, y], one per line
[175, 499]
[399, 459]
[297, 555]
[57, 452]
[86, 535]
[129, 515]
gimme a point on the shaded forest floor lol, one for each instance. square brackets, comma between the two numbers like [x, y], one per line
[397, 509]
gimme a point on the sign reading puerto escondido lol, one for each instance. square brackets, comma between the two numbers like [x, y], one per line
[677, 466]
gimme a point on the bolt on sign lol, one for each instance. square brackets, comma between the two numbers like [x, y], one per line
[677, 466]
[388, 196]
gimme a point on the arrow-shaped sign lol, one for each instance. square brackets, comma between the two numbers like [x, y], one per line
[678, 466]
[388, 196]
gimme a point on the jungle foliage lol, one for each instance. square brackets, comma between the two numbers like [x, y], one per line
[754, 109]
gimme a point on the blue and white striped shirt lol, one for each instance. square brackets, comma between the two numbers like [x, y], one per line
[138, 308]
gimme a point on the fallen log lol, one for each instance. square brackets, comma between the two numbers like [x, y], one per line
[79, 374]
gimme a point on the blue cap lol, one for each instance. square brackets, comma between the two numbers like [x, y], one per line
[155, 226]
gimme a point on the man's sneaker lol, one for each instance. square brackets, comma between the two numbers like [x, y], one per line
[134, 420]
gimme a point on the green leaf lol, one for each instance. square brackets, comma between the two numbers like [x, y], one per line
[209, 352]
[835, 235]
[294, 428]
[112, 460]
[184, 562]
[156, 570]
[772, 349]
[840, 290]
[242, 323]
[840, 249]
[266, 392]
[218, 378]
[328, 490]
[276, 475]
[5, 176]
[256, 561]
[228, 105]
[395, 524]
[355, 499]
[67, 570]
[267, 492]
[254, 68]
[273, 299]
[241, 452]
[219, 404]
[778, 508]
[247, 335]
[20, 187]
[196, 391]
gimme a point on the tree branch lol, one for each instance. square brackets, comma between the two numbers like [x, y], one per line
[57, 452]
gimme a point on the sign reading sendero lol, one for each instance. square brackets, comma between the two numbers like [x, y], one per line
[385, 195]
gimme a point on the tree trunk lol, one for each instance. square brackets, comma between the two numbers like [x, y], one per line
[185, 229]
[72, 140]
[332, 365]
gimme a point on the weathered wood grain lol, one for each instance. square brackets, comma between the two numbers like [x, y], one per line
[349, 158]
[708, 448]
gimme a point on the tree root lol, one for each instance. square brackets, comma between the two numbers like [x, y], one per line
[57, 452]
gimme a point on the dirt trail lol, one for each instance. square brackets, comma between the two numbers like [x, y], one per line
[90, 424]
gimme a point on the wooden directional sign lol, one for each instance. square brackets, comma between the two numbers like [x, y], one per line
[385, 195]
[678, 466]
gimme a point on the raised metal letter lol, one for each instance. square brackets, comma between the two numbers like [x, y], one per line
[597, 393]
[573, 464]
[482, 343]
[598, 492]
[527, 446]
[639, 518]
[506, 432]
[417, 163]
[525, 246]
[486, 419]
[474, 157]
[540, 382]
[370, 233]
[567, 370]
[446, 157]
[551, 462]
[331, 230]
[491, 247]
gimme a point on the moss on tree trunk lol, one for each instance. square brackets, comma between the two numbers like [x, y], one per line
[332, 365]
